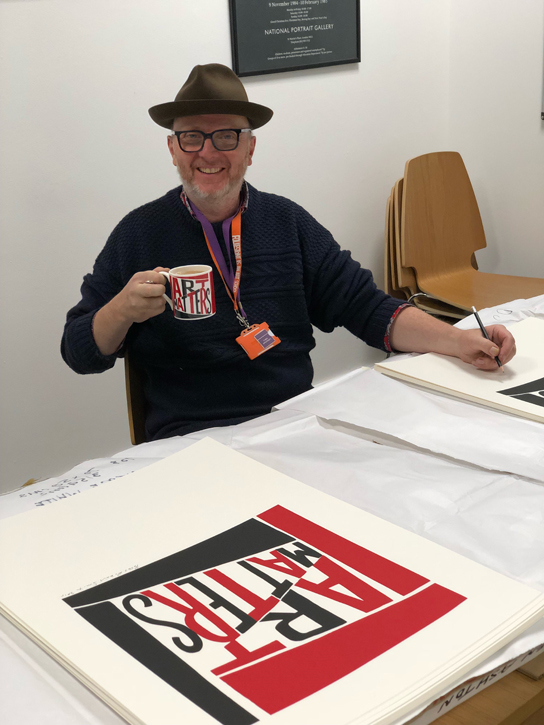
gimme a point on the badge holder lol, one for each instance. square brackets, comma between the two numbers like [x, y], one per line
[257, 339]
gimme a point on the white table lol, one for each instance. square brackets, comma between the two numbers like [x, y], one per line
[410, 457]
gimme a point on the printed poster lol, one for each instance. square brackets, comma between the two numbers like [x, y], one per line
[519, 389]
[208, 588]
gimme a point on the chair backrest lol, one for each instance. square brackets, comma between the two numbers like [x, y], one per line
[135, 401]
[387, 282]
[391, 286]
[396, 291]
[405, 275]
[441, 222]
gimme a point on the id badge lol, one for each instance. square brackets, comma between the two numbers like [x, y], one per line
[257, 339]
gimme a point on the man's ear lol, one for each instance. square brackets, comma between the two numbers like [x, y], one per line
[252, 142]
[170, 141]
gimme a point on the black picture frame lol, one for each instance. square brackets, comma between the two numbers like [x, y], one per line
[276, 36]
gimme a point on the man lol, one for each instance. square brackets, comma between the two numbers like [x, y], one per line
[198, 373]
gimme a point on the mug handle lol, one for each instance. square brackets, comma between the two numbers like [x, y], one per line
[167, 276]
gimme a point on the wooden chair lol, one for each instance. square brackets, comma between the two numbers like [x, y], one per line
[442, 229]
[135, 401]
[391, 285]
[406, 278]
[387, 280]
[403, 281]
[436, 307]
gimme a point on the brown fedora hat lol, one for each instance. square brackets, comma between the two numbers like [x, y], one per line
[211, 88]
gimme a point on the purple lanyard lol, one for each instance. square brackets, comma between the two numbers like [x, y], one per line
[228, 272]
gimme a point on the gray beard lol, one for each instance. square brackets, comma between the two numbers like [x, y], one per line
[231, 189]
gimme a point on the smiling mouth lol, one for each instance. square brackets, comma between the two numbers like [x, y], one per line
[210, 171]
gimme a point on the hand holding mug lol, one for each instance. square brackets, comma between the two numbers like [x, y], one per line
[143, 295]
[140, 299]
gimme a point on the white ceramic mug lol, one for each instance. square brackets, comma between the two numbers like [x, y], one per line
[192, 291]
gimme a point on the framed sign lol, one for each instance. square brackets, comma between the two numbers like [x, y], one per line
[272, 36]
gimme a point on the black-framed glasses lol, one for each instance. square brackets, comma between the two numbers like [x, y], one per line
[224, 139]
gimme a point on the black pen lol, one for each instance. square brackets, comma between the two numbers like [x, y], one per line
[484, 333]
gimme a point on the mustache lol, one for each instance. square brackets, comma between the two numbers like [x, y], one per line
[230, 186]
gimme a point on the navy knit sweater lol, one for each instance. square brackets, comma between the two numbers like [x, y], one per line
[196, 376]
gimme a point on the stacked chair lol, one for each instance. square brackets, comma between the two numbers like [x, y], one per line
[432, 230]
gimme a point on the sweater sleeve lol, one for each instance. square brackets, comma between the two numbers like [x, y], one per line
[78, 347]
[339, 292]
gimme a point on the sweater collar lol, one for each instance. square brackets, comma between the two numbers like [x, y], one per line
[244, 199]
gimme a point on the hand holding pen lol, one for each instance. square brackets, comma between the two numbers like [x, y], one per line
[488, 348]
[484, 333]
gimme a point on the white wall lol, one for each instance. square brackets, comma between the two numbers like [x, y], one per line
[494, 122]
[78, 151]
